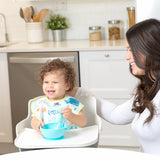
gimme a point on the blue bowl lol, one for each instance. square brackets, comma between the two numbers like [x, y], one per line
[52, 131]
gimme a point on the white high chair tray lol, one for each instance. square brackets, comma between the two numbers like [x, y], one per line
[29, 138]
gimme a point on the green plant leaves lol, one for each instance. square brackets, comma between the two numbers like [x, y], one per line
[57, 22]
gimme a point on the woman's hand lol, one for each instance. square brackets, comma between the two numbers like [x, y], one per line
[35, 124]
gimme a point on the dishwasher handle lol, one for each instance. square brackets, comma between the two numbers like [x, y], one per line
[39, 60]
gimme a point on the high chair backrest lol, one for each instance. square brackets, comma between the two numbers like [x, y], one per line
[89, 109]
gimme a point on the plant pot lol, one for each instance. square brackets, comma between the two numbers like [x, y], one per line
[58, 35]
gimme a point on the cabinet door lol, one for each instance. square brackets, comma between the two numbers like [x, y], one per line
[106, 74]
[5, 111]
[117, 135]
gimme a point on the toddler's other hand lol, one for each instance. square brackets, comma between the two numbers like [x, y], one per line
[67, 113]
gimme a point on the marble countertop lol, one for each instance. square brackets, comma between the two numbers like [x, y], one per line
[69, 45]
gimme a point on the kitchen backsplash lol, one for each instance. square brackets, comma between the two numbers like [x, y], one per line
[80, 13]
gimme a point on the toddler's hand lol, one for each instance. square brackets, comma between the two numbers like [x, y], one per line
[37, 128]
[35, 123]
[67, 113]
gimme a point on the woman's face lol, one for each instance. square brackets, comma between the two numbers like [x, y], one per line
[134, 68]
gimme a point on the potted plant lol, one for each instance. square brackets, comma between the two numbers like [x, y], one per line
[57, 24]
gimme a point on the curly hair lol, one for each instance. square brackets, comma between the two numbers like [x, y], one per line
[144, 41]
[57, 64]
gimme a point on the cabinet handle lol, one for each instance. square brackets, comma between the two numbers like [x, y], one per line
[106, 55]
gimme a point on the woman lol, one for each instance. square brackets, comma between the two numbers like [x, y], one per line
[143, 110]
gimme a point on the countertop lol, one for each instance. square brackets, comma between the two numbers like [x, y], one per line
[68, 45]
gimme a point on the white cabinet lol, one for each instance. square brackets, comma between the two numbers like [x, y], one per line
[106, 74]
[5, 110]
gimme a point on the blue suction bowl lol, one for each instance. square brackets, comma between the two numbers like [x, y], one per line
[52, 132]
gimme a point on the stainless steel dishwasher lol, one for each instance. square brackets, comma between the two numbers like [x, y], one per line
[23, 77]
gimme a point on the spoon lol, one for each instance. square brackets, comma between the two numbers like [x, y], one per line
[43, 14]
[60, 124]
[27, 13]
[32, 12]
[36, 17]
[21, 14]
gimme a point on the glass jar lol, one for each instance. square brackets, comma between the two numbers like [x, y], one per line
[131, 15]
[114, 29]
[94, 33]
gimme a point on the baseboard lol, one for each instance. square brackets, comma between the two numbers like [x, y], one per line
[138, 149]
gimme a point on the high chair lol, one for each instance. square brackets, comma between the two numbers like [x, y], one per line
[27, 138]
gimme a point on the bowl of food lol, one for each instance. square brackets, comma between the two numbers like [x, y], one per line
[53, 131]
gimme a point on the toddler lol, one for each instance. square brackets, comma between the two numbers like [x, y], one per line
[57, 77]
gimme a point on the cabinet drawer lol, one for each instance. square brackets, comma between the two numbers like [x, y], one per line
[105, 55]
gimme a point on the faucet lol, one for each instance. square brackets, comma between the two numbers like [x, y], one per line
[5, 27]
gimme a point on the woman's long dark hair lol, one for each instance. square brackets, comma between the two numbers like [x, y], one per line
[144, 41]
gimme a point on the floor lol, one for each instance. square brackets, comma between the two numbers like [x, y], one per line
[138, 149]
[7, 148]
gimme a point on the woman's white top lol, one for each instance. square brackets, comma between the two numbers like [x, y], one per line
[148, 134]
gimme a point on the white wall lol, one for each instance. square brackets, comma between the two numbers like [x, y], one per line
[80, 13]
[147, 10]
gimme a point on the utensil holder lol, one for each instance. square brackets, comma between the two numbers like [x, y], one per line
[34, 32]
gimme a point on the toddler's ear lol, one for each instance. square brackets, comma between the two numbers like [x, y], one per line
[73, 92]
[67, 86]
